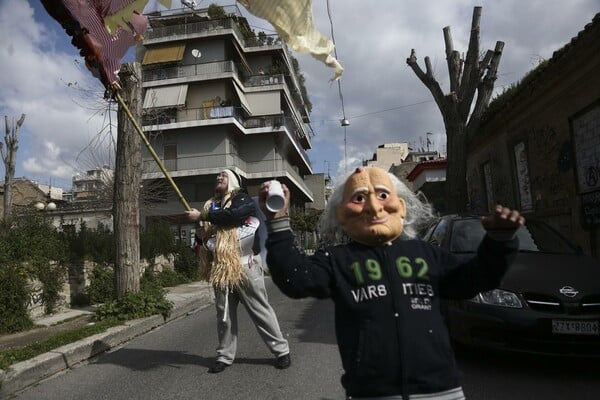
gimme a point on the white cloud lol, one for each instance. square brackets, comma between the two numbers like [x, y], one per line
[38, 63]
[383, 99]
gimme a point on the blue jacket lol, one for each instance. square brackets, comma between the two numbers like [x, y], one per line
[390, 332]
[242, 206]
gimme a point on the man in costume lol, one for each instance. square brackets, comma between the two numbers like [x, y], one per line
[230, 261]
[387, 285]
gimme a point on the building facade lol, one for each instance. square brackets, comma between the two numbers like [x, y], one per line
[219, 95]
[539, 145]
[388, 154]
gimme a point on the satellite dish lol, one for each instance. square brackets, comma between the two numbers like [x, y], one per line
[191, 4]
[196, 53]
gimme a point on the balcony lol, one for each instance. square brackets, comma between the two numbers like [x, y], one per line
[158, 120]
[211, 27]
[153, 120]
[208, 164]
[203, 71]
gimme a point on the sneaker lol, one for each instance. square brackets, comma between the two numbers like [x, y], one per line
[218, 367]
[283, 362]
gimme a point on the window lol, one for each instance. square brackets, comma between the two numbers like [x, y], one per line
[170, 156]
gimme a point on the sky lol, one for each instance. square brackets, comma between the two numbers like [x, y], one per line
[68, 128]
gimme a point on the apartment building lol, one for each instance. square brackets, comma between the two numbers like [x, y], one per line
[219, 95]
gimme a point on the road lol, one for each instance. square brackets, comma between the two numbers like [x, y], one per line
[171, 362]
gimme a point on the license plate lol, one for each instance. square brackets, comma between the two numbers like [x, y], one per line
[575, 327]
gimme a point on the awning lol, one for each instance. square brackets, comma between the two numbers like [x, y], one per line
[243, 100]
[165, 96]
[163, 54]
[264, 103]
[242, 57]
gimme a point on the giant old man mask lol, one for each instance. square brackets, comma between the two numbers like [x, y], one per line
[371, 212]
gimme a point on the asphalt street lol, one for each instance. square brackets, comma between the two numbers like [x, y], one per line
[171, 361]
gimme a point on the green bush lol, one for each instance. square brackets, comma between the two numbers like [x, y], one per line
[150, 300]
[170, 278]
[14, 297]
[156, 239]
[102, 285]
[96, 245]
[186, 261]
[33, 244]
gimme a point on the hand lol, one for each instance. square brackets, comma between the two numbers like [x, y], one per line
[262, 201]
[193, 214]
[503, 219]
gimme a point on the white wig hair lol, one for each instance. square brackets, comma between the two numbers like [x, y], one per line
[233, 182]
[419, 212]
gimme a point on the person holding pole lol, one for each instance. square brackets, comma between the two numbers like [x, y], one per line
[230, 261]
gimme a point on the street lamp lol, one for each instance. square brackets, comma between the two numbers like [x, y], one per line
[42, 206]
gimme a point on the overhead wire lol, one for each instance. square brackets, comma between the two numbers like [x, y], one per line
[344, 121]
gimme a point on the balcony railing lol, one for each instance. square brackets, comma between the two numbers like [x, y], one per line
[264, 80]
[198, 162]
[274, 166]
[214, 26]
[170, 116]
[204, 70]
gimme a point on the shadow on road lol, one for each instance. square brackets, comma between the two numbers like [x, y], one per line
[144, 359]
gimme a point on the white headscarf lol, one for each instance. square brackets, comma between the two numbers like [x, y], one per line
[233, 182]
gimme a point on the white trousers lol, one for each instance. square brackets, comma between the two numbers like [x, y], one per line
[252, 294]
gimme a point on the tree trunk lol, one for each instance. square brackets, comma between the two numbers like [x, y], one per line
[456, 172]
[9, 156]
[128, 175]
[460, 122]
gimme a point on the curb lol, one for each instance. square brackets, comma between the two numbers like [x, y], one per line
[185, 298]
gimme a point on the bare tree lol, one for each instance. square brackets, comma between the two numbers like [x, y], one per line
[9, 156]
[469, 77]
[128, 177]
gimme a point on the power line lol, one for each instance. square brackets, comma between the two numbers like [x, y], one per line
[382, 111]
[344, 122]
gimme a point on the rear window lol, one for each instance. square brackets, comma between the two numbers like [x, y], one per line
[533, 236]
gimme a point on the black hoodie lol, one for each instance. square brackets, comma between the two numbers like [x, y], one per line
[390, 332]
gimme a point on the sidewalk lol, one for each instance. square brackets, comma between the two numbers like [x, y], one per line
[185, 298]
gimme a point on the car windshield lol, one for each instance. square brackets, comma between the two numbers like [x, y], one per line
[533, 236]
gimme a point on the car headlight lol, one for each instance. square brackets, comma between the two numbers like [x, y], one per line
[498, 297]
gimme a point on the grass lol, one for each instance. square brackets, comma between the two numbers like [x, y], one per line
[15, 355]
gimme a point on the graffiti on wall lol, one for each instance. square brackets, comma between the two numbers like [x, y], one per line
[523, 177]
[586, 141]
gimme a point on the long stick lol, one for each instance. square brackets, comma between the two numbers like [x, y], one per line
[151, 150]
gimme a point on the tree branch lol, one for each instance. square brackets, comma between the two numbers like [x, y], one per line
[453, 60]
[427, 78]
[471, 74]
[486, 87]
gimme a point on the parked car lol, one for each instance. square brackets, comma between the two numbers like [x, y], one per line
[548, 301]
